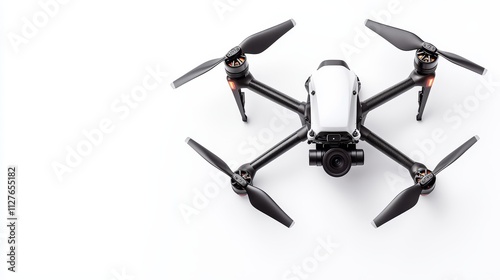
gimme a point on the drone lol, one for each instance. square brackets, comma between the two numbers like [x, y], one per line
[333, 116]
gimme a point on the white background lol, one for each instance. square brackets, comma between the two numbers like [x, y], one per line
[116, 214]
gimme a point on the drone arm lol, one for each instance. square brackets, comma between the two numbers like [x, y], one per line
[248, 81]
[280, 148]
[278, 97]
[386, 148]
[415, 79]
[386, 95]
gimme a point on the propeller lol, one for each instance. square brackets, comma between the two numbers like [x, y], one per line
[407, 41]
[408, 198]
[254, 44]
[258, 198]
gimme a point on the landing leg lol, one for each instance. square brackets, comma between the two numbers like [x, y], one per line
[423, 95]
[239, 96]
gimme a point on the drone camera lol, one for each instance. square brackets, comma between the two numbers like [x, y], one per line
[336, 161]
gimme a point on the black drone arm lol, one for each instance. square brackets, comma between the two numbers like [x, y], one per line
[414, 79]
[248, 81]
[386, 95]
[277, 97]
[386, 148]
[280, 148]
[277, 150]
[247, 171]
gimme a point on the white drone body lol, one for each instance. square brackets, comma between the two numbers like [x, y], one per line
[333, 93]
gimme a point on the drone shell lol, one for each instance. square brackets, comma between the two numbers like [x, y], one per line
[333, 95]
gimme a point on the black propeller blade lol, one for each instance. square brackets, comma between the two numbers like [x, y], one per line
[258, 198]
[200, 70]
[403, 202]
[408, 198]
[449, 159]
[401, 39]
[265, 204]
[254, 44]
[259, 42]
[407, 41]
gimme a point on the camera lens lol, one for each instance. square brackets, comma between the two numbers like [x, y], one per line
[336, 162]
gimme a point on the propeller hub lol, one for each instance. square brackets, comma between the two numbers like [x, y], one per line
[429, 47]
[427, 182]
[234, 53]
[239, 181]
[427, 179]
[236, 63]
